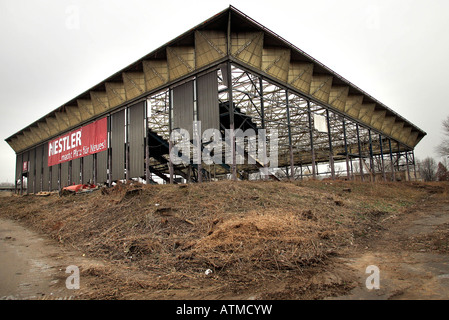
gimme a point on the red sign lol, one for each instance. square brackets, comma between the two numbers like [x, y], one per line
[82, 142]
[25, 166]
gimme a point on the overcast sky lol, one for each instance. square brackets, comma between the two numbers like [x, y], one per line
[53, 50]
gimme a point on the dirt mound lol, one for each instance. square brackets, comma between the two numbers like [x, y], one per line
[245, 232]
[270, 241]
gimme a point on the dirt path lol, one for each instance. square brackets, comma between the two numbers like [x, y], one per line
[411, 254]
[32, 267]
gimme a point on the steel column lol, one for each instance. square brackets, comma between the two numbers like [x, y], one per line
[393, 176]
[94, 171]
[262, 110]
[382, 158]
[292, 171]
[262, 114]
[360, 152]
[70, 179]
[34, 172]
[309, 114]
[231, 122]
[170, 143]
[42, 171]
[331, 151]
[15, 177]
[197, 133]
[407, 166]
[414, 164]
[21, 174]
[371, 160]
[127, 144]
[147, 147]
[346, 150]
[59, 177]
[81, 176]
[49, 179]
[109, 152]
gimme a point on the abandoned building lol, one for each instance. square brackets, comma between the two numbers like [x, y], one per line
[229, 72]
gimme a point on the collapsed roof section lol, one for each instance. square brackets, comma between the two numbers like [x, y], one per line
[229, 35]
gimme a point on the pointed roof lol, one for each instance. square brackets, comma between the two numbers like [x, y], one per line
[228, 35]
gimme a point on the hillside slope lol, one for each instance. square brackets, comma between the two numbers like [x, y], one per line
[269, 240]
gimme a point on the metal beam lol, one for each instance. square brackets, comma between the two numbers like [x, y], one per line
[346, 150]
[331, 151]
[290, 146]
[312, 149]
[360, 152]
[382, 158]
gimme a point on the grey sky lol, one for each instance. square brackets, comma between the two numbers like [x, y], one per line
[53, 50]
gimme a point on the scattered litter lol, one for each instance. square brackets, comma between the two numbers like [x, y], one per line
[208, 272]
[78, 188]
[43, 194]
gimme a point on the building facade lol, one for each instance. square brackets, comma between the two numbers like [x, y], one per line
[229, 73]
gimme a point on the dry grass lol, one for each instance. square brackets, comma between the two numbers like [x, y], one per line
[239, 230]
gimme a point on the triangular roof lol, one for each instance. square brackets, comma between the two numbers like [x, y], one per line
[228, 35]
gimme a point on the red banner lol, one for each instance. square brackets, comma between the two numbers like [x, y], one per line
[25, 166]
[82, 142]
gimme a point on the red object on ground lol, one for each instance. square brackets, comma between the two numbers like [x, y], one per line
[78, 187]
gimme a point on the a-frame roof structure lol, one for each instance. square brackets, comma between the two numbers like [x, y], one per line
[228, 36]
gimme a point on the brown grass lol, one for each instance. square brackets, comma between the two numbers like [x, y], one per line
[235, 229]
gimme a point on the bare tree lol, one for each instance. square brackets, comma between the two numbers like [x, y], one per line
[442, 173]
[443, 147]
[427, 169]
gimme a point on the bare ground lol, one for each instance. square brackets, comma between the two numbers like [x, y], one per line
[260, 240]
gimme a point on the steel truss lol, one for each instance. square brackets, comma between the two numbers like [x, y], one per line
[346, 150]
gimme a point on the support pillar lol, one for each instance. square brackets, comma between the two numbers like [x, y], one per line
[42, 171]
[21, 175]
[399, 156]
[94, 170]
[408, 167]
[170, 143]
[331, 151]
[198, 147]
[109, 153]
[262, 114]
[50, 175]
[59, 177]
[393, 176]
[414, 164]
[147, 147]
[231, 122]
[34, 173]
[70, 180]
[127, 145]
[346, 150]
[290, 146]
[382, 158]
[312, 149]
[360, 152]
[81, 176]
[371, 159]
[15, 178]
